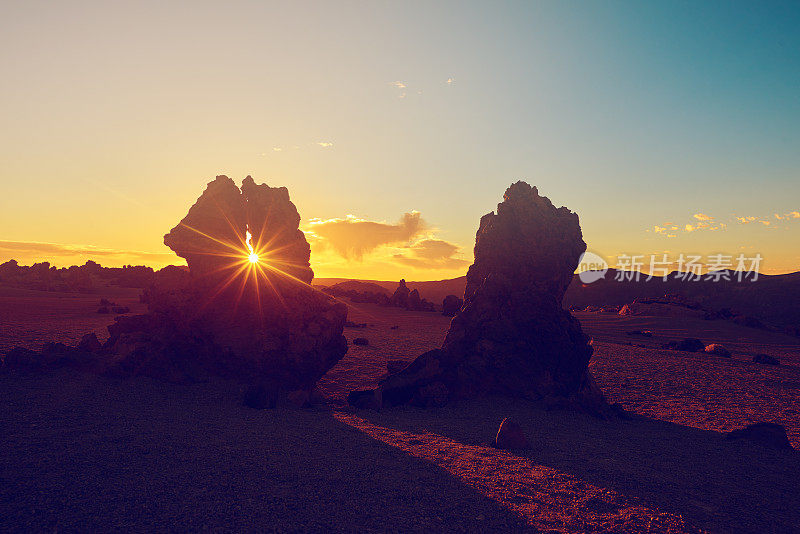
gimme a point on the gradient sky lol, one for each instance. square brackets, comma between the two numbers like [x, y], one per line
[395, 126]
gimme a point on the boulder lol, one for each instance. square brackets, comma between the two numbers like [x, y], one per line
[451, 305]
[512, 336]
[766, 359]
[717, 349]
[510, 436]
[89, 343]
[770, 435]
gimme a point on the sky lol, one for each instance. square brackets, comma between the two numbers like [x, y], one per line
[669, 127]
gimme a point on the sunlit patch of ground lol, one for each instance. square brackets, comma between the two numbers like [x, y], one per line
[545, 497]
[697, 389]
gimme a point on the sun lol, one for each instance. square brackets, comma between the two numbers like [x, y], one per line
[252, 257]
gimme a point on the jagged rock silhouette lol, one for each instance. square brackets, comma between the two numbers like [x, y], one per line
[258, 321]
[511, 336]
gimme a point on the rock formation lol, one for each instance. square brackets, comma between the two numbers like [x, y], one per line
[414, 300]
[403, 297]
[718, 349]
[450, 305]
[399, 298]
[214, 230]
[244, 308]
[770, 435]
[510, 436]
[511, 336]
[257, 319]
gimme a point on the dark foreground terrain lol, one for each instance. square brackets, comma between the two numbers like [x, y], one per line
[82, 452]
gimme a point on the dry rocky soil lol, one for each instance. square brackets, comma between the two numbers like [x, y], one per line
[81, 452]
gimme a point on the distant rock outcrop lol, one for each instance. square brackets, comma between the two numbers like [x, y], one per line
[244, 307]
[399, 298]
[451, 304]
[87, 278]
[511, 336]
[403, 297]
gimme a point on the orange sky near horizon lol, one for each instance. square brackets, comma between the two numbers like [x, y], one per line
[351, 247]
[396, 126]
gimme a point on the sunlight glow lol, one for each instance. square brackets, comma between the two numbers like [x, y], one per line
[253, 257]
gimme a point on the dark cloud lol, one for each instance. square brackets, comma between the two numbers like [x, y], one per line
[352, 237]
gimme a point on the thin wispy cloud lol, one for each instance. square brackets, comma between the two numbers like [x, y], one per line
[664, 230]
[701, 221]
[749, 219]
[323, 144]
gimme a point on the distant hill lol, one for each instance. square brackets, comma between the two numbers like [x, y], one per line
[772, 299]
[434, 291]
[361, 287]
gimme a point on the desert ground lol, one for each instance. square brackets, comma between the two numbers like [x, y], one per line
[82, 452]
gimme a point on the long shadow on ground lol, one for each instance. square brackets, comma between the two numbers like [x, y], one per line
[86, 453]
[697, 475]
